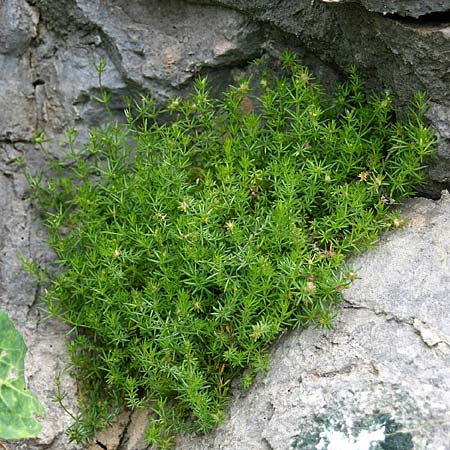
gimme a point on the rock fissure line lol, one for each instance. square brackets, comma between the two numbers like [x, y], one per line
[388, 315]
[123, 436]
[428, 336]
[432, 20]
[101, 445]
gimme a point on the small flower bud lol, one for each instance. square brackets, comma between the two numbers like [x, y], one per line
[174, 104]
[363, 176]
[351, 276]
[229, 225]
[184, 206]
[310, 287]
[398, 222]
[244, 87]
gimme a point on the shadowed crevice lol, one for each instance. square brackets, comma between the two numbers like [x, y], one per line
[428, 22]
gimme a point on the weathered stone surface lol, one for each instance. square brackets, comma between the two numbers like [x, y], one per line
[389, 350]
[410, 271]
[148, 48]
[127, 433]
[406, 8]
[18, 26]
[165, 43]
[381, 376]
[18, 111]
[46, 360]
[439, 115]
[68, 81]
[158, 46]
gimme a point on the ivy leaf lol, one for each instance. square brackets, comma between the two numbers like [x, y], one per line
[18, 405]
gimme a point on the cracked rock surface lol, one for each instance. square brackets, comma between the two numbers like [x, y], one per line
[406, 8]
[386, 364]
[382, 376]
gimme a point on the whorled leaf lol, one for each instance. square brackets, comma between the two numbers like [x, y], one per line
[18, 405]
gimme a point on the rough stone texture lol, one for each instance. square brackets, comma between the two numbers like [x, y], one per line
[386, 362]
[128, 433]
[148, 48]
[406, 8]
[18, 111]
[161, 46]
[388, 352]
[157, 44]
[17, 26]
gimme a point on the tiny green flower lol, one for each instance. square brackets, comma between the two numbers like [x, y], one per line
[364, 176]
[183, 206]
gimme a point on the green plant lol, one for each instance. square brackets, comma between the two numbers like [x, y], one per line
[185, 247]
[18, 405]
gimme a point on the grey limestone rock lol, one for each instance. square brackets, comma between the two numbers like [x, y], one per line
[18, 109]
[164, 43]
[406, 8]
[386, 363]
[150, 48]
[18, 26]
[21, 233]
[161, 46]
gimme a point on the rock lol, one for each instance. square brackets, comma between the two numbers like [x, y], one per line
[406, 8]
[18, 112]
[156, 44]
[354, 375]
[410, 292]
[111, 438]
[159, 48]
[18, 26]
[439, 172]
[148, 49]
[68, 83]
[381, 376]
[46, 360]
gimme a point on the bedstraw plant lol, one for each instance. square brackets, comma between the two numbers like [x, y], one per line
[186, 246]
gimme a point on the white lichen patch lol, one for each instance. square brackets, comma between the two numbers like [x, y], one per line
[332, 439]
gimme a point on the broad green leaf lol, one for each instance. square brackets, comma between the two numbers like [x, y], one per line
[18, 405]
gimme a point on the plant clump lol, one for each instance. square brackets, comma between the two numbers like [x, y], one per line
[186, 246]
